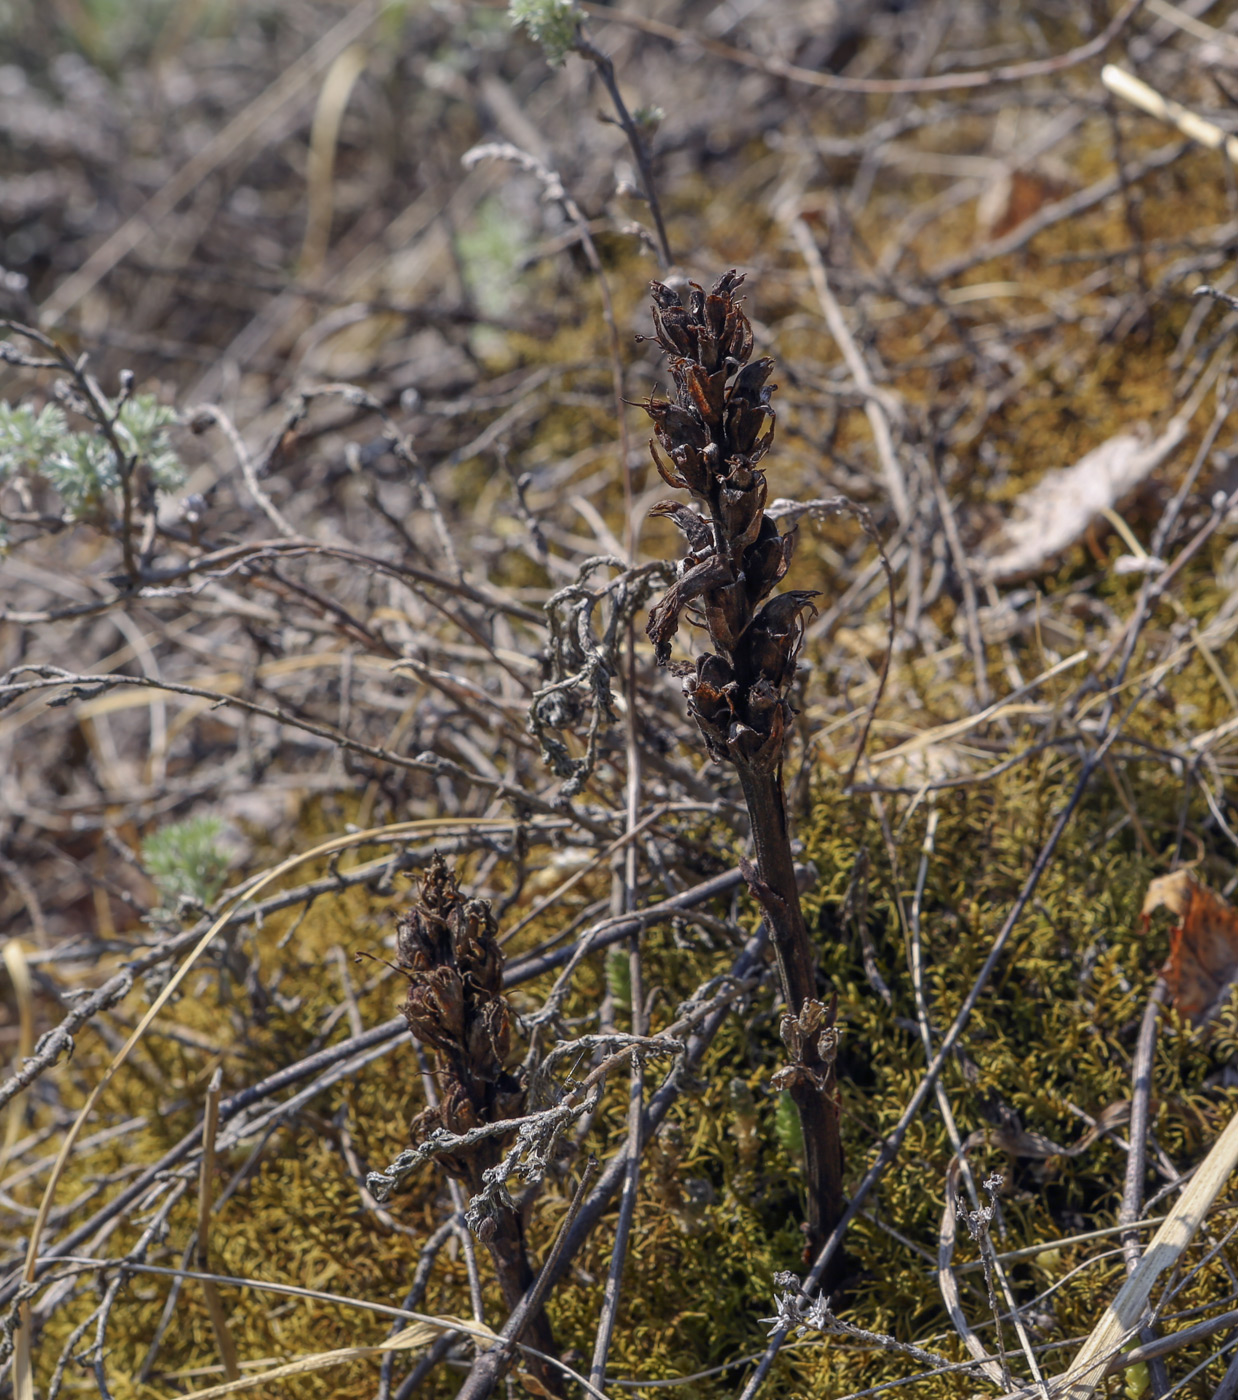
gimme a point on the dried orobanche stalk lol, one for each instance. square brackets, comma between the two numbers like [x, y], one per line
[715, 431]
[447, 947]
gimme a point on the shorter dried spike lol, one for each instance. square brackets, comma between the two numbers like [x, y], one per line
[455, 1005]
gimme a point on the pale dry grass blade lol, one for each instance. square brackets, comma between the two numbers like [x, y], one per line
[324, 138]
[242, 128]
[413, 1338]
[1009, 706]
[1147, 99]
[1128, 1310]
[880, 406]
[206, 1180]
[1193, 25]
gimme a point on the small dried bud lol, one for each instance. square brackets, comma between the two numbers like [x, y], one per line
[434, 1008]
[193, 508]
[775, 637]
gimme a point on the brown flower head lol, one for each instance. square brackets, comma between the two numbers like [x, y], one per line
[447, 947]
[716, 428]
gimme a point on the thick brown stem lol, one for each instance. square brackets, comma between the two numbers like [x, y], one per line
[715, 430]
[768, 814]
[490, 1366]
[515, 1275]
[823, 1159]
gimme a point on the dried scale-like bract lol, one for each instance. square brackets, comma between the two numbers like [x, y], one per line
[447, 947]
[715, 430]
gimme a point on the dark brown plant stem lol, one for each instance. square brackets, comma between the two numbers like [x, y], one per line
[776, 867]
[818, 1114]
[894, 1139]
[487, 1371]
[516, 1277]
[636, 139]
[716, 428]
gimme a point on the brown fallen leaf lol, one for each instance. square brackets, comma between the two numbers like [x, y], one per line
[1015, 195]
[1203, 945]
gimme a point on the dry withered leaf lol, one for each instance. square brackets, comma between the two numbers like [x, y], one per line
[1203, 945]
[1049, 517]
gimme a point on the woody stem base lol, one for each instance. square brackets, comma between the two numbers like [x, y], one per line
[515, 1274]
[780, 901]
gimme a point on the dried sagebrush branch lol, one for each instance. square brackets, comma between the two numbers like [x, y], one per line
[716, 428]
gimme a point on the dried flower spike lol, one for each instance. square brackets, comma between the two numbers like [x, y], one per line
[715, 430]
[713, 433]
[447, 947]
